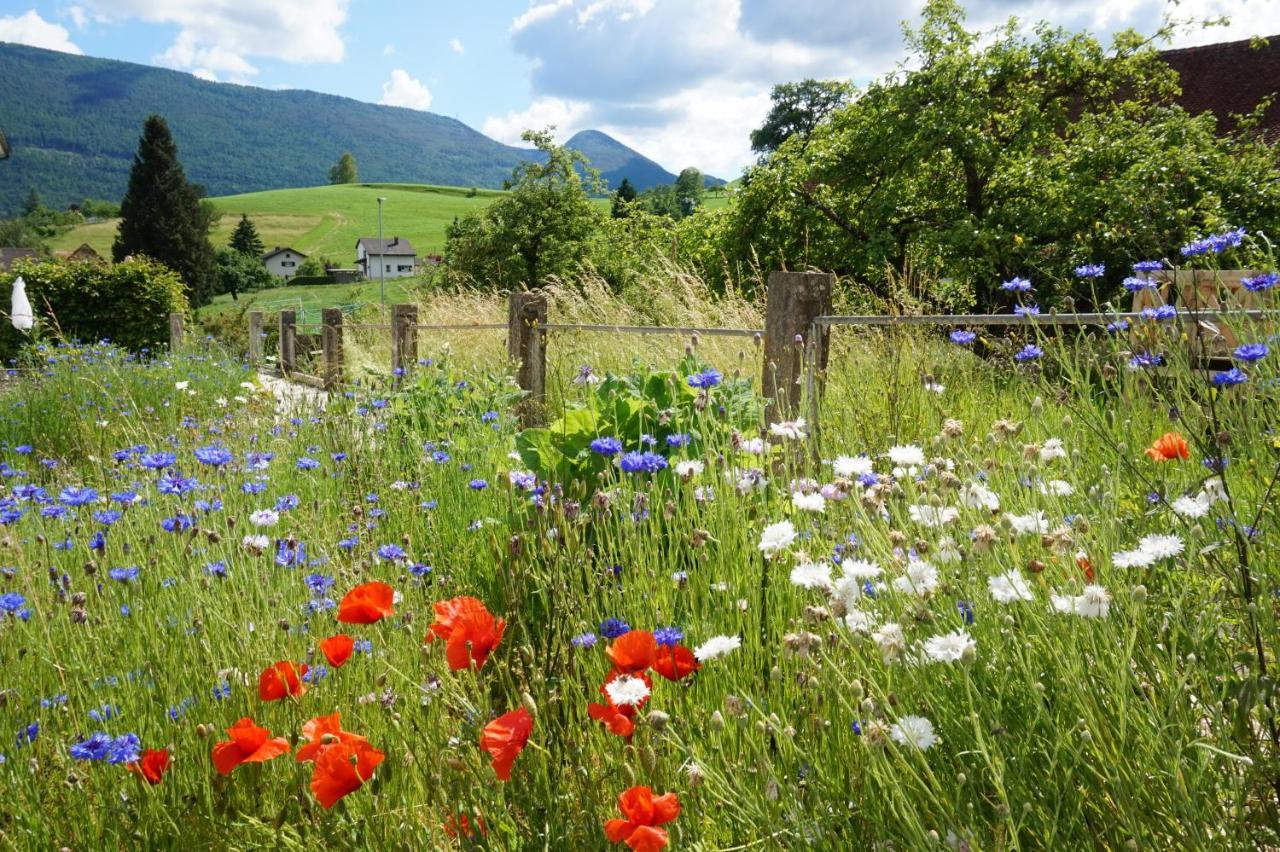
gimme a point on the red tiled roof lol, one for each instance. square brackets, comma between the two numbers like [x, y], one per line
[1230, 78]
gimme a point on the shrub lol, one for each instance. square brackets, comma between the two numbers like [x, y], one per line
[128, 303]
[242, 273]
[307, 280]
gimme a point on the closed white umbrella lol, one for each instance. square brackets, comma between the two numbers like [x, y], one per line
[20, 313]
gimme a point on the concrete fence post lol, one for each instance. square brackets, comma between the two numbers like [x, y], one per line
[287, 361]
[175, 332]
[404, 340]
[792, 342]
[331, 347]
[526, 317]
[255, 337]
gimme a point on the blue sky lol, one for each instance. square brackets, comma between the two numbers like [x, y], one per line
[683, 81]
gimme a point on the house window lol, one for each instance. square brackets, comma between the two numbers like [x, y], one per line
[403, 268]
[287, 263]
[388, 267]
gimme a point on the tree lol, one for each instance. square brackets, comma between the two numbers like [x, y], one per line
[163, 217]
[622, 199]
[537, 230]
[33, 204]
[689, 190]
[18, 233]
[239, 272]
[797, 109]
[344, 171]
[245, 238]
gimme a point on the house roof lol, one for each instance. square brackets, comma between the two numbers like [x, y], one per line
[281, 250]
[1229, 78]
[396, 246]
[9, 255]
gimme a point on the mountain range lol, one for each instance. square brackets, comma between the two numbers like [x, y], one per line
[74, 122]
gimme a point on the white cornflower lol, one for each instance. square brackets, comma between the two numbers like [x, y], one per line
[716, 646]
[1161, 546]
[975, 495]
[859, 621]
[704, 494]
[746, 481]
[812, 575]
[1009, 587]
[403, 485]
[809, 502]
[264, 518]
[1057, 488]
[1132, 559]
[255, 542]
[861, 569]
[921, 579]
[688, 468]
[950, 647]
[1095, 602]
[847, 590]
[1062, 603]
[627, 691]
[947, 552]
[1052, 449]
[754, 446]
[1213, 490]
[914, 731]
[851, 466]
[181, 385]
[906, 456]
[934, 387]
[790, 430]
[932, 516]
[891, 641]
[1029, 524]
[1191, 507]
[777, 537]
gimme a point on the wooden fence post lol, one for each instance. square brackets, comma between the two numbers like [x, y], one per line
[288, 338]
[404, 340]
[527, 314]
[794, 301]
[175, 332]
[331, 347]
[255, 337]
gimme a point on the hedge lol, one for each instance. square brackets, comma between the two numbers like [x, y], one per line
[128, 303]
[307, 280]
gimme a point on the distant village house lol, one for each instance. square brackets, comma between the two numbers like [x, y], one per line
[283, 261]
[84, 254]
[10, 256]
[393, 258]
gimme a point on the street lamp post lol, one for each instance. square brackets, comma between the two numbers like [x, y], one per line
[382, 259]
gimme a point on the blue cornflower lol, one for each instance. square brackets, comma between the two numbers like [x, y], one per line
[607, 446]
[107, 517]
[583, 640]
[1260, 283]
[104, 713]
[315, 674]
[349, 543]
[1091, 270]
[1117, 326]
[679, 439]
[256, 460]
[1031, 310]
[612, 628]
[1161, 312]
[1141, 360]
[256, 486]
[222, 691]
[1228, 378]
[124, 749]
[965, 608]
[216, 569]
[478, 484]
[123, 575]
[53, 511]
[307, 463]
[12, 602]
[287, 502]
[178, 523]
[707, 378]
[489, 417]
[24, 449]
[1148, 266]
[290, 552]
[1016, 285]
[318, 583]
[28, 735]
[96, 747]
[172, 482]
[440, 457]
[668, 636]
[1030, 352]
[1250, 352]
[963, 337]
[391, 552]
[419, 569]
[158, 461]
[1133, 284]
[214, 456]
[98, 540]
[364, 646]
[76, 495]
[634, 462]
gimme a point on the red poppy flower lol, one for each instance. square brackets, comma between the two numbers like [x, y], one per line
[366, 603]
[322, 732]
[470, 631]
[505, 738]
[633, 651]
[675, 662]
[249, 744]
[337, 649]
[153, 765]
[342, 768]
[282, 680]
[644, 812]
[1168, 447]
[460, 826]
[1083, 563]
[615, 720]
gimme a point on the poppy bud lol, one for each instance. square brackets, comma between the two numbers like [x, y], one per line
[658, 720]
[1035, 566]
[529, 703]
[717, 721]
[868, 707]
[1139, 594]
[961, 778]
[201, 730]
[381, 679]
[629, 774]
[455, 764]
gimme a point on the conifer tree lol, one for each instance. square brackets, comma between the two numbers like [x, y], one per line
[622, 198]
[245, 239]
[162, 216]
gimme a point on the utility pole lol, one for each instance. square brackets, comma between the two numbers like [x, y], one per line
[382, 259]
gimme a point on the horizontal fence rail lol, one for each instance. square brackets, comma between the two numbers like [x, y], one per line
[1033, 319]
[656, 329]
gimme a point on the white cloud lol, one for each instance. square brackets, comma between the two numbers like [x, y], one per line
[388, 49]
[221, 35]
[401, 90]
[205, 74]
[567, 116]
[33, 30]
[79, 17]
[456, 46]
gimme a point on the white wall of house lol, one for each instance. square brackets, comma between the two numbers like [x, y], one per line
[285, 264]
[392, 265]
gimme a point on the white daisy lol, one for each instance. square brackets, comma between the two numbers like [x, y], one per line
[947, 552]
[627, 691]
[716, 646]
[1213, 490]
[1009, 587]
[949, 647]
[777, 537]
[852, 466]
[812, 575]
[255, 542]
[906, 456]
[914, 731]
[1161, 546]
[921, 579]
[809, 502]
[932, 516]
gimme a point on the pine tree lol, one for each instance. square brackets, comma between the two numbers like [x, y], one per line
[245, 238]
[162, 216]
[344, 171]
[33, 204]
[622, 199]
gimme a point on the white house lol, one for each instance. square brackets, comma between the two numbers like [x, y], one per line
[393, 258]
[283, 261]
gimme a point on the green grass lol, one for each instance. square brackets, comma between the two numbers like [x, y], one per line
[311, 298]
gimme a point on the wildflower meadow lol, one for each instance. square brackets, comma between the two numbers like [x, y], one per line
[1009, 591]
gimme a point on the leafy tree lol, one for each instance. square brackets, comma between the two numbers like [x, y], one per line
[18, 233]
[797, 109]
[245, 239]
[689, 190]
[163, 217]
[999, 154]
[537, 230]
[313, 267]
[33, 203]
[661, 200]
[239, 272]
[96, 208]
[623, 198]
[344, 171]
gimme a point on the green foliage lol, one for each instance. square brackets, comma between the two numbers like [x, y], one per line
[622, 199]
[18, 233]
[797, 109]
[1004, 154]
[128, 303]
[536, 231]
[314, 266]
[688, 190]
[344, 171]
[242, 273]
[245, 239]
[33, 204]
[308, 280]
[96, 208]
[162, 215]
